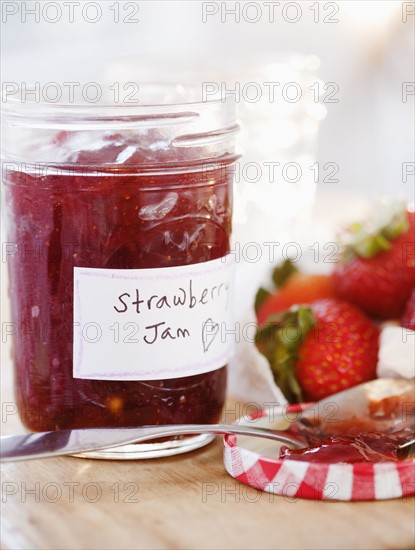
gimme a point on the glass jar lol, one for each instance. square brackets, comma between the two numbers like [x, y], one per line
[107, 206]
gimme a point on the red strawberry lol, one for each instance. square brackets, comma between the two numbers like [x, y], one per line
[300, 289]
[377, 271]
[341, 350]
[319, 350]
[408, 319]
[293, 288]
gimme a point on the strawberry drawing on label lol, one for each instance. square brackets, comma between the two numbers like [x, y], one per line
[210, 330]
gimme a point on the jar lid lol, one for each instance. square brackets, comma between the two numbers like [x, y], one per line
[255, 462]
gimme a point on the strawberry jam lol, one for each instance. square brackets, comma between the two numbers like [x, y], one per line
[107, 207]
[390, 423]
[365, 447]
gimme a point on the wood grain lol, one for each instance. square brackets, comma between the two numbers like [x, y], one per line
[181, 502]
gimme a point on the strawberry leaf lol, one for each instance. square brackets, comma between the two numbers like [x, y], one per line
[367, 240]
[260, 297]
[283, 272]
[398, 225]
[279, 340]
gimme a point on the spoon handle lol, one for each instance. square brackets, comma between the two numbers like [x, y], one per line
[406, 450]
[65, 442]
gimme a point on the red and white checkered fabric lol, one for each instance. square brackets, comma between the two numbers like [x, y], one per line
[298, 479]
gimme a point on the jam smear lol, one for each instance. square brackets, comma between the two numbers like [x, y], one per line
[365, 447]
[100, 209]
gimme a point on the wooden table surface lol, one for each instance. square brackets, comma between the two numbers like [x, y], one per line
[183, 502]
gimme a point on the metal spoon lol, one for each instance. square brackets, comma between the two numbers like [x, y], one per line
[406, 450]
[356, 405]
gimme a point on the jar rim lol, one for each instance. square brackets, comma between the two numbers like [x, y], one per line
[207, 127]
[114, 116]
[92, 105]
[18, 105]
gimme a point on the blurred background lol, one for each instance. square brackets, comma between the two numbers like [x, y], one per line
[365, 47]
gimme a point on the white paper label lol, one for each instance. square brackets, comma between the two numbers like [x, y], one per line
[152, 324]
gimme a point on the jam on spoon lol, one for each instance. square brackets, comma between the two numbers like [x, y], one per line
[365, 447]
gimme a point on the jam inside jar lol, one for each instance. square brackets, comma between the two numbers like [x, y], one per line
[110, 188]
